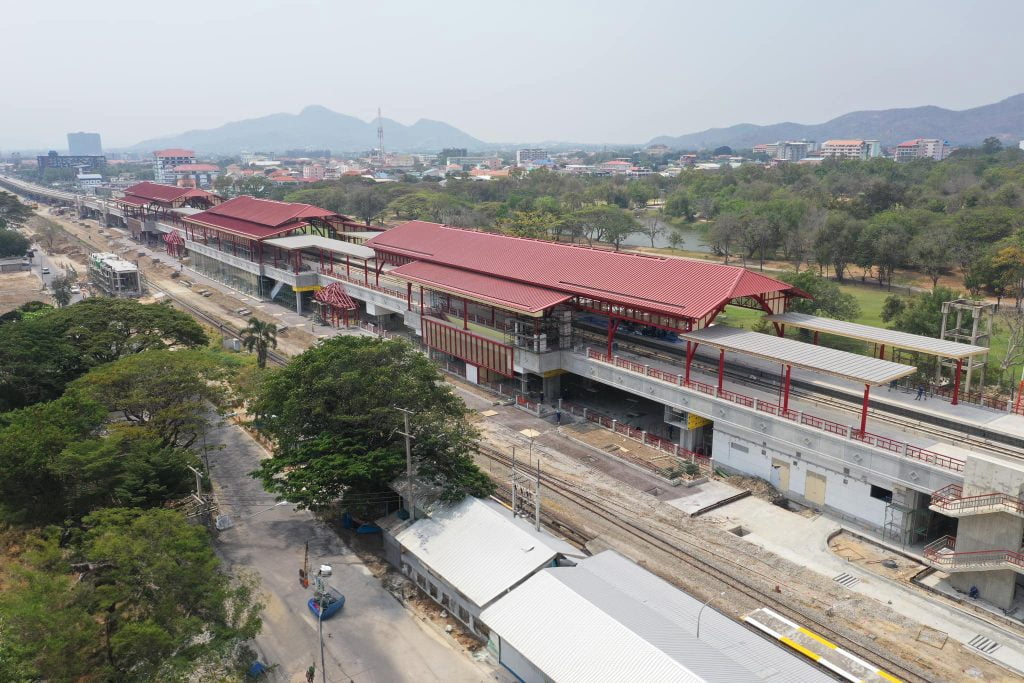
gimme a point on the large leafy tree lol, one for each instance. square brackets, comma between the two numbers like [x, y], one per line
[135, 595]
[827, 299]
[12, 243]
[12, 212]
[332, 413]
[62, 460]
[39, 355]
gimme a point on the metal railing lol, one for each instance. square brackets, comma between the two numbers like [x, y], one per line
[881, 442]
[943, 553]
[952, 498]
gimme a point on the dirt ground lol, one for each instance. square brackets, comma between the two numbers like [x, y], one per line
[871, 556]
[20, 288]
[620, 446]
[867, 620]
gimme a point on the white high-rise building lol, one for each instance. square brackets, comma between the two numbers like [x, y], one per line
[165, 161]
[524, 157]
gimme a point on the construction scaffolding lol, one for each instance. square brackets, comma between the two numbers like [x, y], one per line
[972, 324]
[115, 276]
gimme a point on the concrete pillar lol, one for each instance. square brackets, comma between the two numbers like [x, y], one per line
[989, 531]
[298, 302]
[552, 389]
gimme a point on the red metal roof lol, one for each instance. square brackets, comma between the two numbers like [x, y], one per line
[268, 213]
[674, 287]
[492, 290]
[155, 192]
[174, 153]
[335, 295]
[261, 218]
[134, 201]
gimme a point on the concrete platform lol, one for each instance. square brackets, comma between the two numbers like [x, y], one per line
[696, 500]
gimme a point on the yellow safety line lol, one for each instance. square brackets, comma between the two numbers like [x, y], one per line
[888, 677]
[801, 649]
[812, 634]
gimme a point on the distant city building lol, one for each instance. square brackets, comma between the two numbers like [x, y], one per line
[452, 152]
[166, 160]
[468, 163]
[89, 181]
[616, 166]
[921, 148]
[851, 149]
[314, 171]
[84, 144]
[195, 175]
[525, 157]
[83, 162]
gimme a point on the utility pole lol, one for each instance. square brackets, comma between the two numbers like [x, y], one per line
[380, 136]
[410, 502]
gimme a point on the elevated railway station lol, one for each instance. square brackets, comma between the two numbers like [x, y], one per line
[563, 323]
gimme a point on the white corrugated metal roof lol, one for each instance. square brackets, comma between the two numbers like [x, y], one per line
[318, 242]
[609, 619]
[478, 548]
[852, 366]
[880, 335]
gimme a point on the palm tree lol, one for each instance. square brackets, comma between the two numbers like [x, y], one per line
[260, 336]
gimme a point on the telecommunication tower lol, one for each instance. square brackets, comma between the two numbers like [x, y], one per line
[380, 136]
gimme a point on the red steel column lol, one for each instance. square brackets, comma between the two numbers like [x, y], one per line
[465, 314]
[956, 381]
[613, 324]
[864, 409]
[408, 294]
[815, 337]
[721, 368]
[785, 389]
[881, 352]
[691, 351]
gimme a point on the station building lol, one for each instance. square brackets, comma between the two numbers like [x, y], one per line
[571, 327]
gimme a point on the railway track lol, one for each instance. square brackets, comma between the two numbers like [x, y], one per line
[681, 546]
[713, 565]
[755, 378]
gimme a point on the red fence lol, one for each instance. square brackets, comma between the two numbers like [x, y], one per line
[952, 498]
[943, 553]
[881, 442]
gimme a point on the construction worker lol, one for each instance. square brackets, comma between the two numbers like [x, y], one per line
[310, 673]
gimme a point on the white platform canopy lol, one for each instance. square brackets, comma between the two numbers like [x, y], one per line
[851, 366]
[878, 335]
[327, 244]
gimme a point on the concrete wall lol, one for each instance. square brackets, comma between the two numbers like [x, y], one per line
[411, 566]
[845, 494]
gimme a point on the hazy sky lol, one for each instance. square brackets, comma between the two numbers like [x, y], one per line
[587, 71]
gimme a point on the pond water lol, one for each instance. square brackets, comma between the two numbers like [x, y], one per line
[693, 240]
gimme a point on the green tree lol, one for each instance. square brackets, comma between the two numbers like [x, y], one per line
[13, 213]
[932, 252]
[678, 206]
[41, 354]
[827, 299]
[61, 286]
[920, 313]
[367, 203]
[991, 145]
[13, 243]
[135, 595]
[166, 393]
[261, 336]
[332, 413]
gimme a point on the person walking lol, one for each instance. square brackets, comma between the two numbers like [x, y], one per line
[920, 392]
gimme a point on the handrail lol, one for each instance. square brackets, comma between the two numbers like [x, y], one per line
[951, 498]
[943, 552]
[882, 442]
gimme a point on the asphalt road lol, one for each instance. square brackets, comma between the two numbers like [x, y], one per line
[54, 264]
[373, 638]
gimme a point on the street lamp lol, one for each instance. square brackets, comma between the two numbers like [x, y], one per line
[702, 611]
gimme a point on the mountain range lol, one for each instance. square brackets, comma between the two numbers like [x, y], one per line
[1004, 120]
[315, 127]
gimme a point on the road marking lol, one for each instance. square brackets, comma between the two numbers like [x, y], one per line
[846, 580]
[984, 644]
